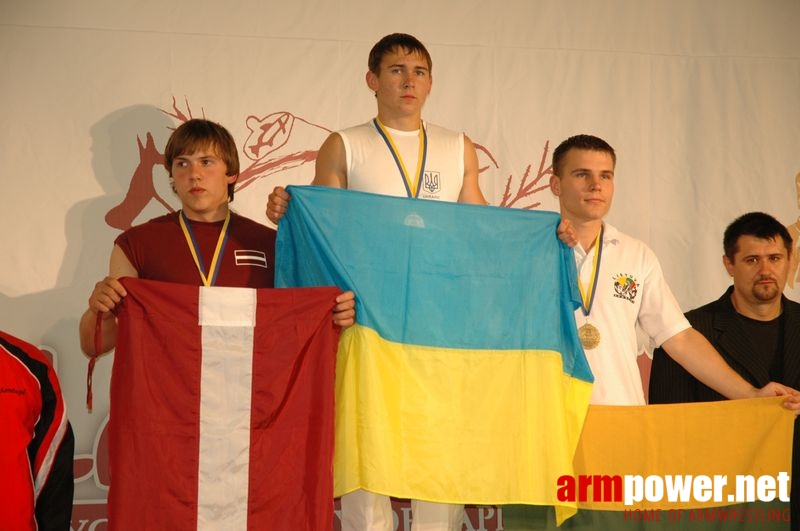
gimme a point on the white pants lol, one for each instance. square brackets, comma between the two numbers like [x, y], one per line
[366, 511]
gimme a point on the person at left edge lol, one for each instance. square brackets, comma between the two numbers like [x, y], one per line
[37, 445]
[203, 165]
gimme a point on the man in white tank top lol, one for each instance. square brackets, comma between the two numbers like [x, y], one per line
[397, 154]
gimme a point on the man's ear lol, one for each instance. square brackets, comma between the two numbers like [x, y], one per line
[555, 185]
[372, 81]
[728, 265]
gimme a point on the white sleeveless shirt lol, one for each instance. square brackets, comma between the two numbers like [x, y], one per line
[372, 168]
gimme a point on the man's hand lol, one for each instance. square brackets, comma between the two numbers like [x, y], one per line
[106, 295]
[775, 389]
[277, 202]
[566, 233]
[344, 313]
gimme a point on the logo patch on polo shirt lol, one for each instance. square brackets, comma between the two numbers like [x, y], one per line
[625, 287]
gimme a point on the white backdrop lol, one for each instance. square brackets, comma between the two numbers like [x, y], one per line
[701, 99]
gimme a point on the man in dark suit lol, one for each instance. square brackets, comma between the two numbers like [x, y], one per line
[753, 326]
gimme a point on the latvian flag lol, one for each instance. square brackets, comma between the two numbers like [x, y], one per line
[222, 408]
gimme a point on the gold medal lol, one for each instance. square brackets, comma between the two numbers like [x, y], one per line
[589, 336]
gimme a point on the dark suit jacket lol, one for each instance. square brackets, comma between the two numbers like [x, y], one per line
[671, 383]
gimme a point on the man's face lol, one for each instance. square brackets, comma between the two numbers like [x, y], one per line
[402, 83]
[759, 269]
[200, 181]
[585, 187]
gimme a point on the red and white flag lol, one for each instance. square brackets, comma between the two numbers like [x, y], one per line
[222, 408]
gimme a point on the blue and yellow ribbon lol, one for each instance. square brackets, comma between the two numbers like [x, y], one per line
[208, 280]
[412, 188]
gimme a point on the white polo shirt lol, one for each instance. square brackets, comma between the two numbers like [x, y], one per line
[630, 289]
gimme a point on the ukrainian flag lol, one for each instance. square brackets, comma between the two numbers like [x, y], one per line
[463, 380]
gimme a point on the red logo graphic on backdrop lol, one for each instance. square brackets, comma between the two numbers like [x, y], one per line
[529, 185]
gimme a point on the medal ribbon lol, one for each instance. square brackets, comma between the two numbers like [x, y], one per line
[412, 188]
[195, 250]
[587, 298]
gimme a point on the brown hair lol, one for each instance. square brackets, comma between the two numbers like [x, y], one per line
[408, 43]
[196, 134]
[583, 142]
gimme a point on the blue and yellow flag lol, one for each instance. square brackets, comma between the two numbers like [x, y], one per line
[463, 380]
